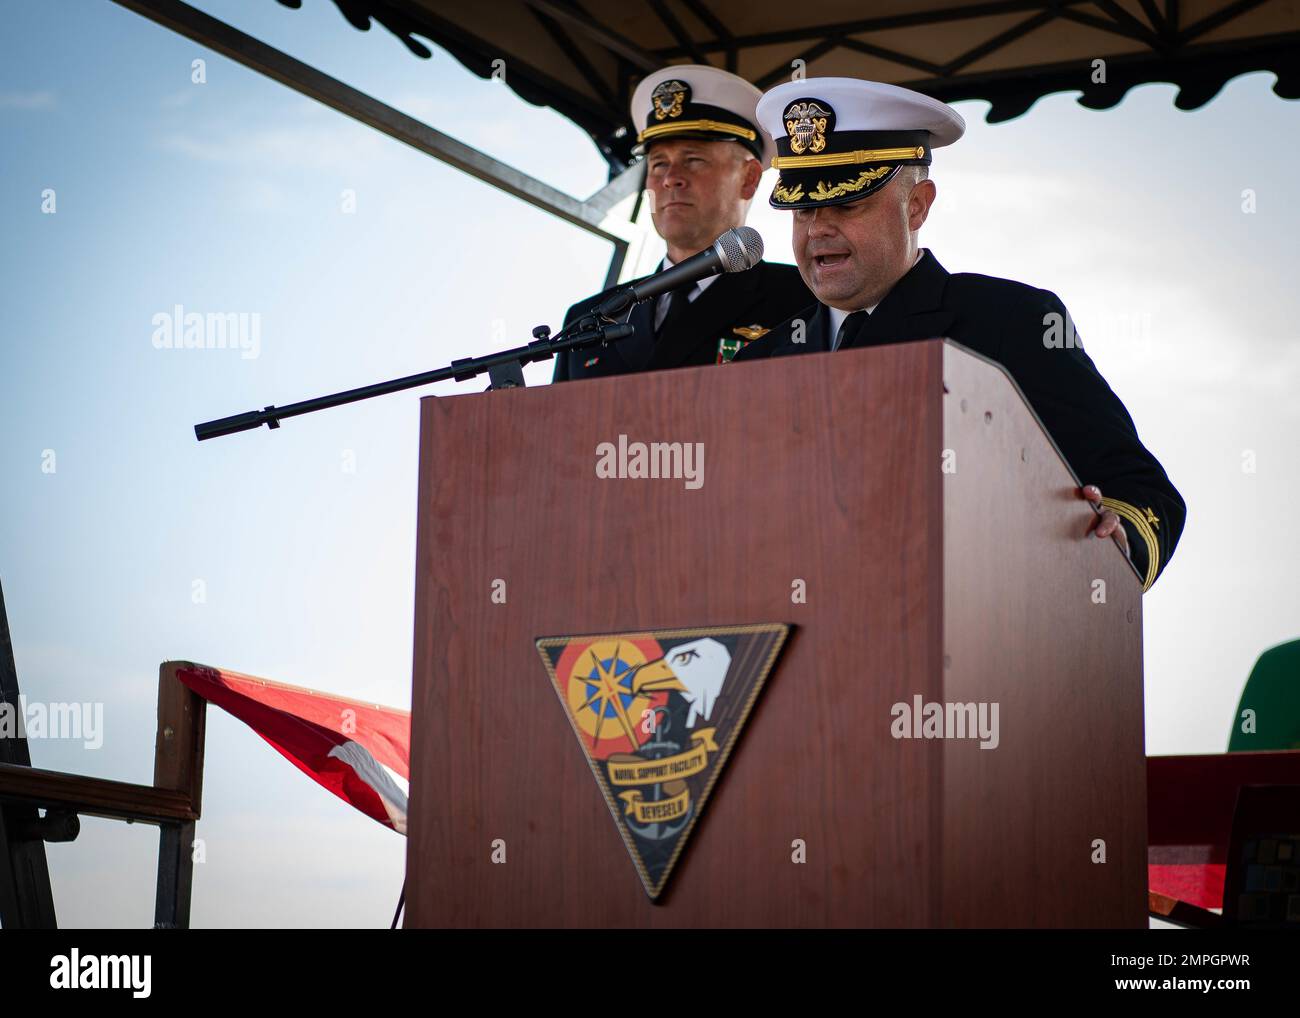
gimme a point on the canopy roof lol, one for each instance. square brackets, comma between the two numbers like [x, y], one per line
[584, 57]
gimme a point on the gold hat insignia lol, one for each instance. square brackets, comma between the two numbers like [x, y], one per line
[668, 98]
[805, 123]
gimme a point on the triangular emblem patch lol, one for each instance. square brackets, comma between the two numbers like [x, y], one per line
[657, 714]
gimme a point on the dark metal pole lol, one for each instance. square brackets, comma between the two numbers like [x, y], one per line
[26, 901]
[587, 332]
[279, 66]
[175, 876]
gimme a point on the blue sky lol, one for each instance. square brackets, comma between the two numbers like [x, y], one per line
[225, 196]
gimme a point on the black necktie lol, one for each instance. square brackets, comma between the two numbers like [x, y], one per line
[678, 301]
[848, 329]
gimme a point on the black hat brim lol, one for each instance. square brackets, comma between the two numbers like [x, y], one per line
[754, 147]
[834, 185]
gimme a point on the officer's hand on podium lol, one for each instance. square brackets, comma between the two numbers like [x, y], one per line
[1108, 523]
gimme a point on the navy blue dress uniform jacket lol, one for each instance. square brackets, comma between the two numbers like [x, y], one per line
[1006, 321]
[735, 307]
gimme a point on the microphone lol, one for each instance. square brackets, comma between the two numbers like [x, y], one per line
[735, 251]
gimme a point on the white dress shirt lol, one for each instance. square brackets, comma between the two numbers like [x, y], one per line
[839, 314]
[661, 305]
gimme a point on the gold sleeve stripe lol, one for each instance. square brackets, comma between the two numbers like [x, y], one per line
[1136, 517]
[696, 125]
[862, 155]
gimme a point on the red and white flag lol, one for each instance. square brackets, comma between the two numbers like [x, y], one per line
[354, 749]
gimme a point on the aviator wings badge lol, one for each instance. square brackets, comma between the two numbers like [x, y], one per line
[657, 714]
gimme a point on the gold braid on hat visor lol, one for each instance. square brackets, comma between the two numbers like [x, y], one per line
[678, 126]
[862, 155]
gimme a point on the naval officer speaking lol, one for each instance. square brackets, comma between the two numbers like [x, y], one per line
[854, 161]
[704, 156]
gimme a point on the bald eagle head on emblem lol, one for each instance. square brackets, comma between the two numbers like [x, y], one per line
[806, 122]
[698, 670]
[668, 98]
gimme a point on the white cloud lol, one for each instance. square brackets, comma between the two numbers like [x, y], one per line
[299, 147]
[177, 99]
[43, 100]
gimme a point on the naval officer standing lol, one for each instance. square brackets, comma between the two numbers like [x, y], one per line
[704, 155]
[854, 161]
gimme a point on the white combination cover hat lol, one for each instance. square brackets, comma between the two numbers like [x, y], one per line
[841, 139]
[699, 101]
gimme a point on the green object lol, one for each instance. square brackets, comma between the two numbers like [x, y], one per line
[1272, 693]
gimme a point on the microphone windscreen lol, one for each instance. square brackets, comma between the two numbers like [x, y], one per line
[739, 249]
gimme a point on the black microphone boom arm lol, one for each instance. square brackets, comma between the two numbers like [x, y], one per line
[587, 331]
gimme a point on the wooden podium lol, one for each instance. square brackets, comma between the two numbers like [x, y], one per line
[944, 553]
